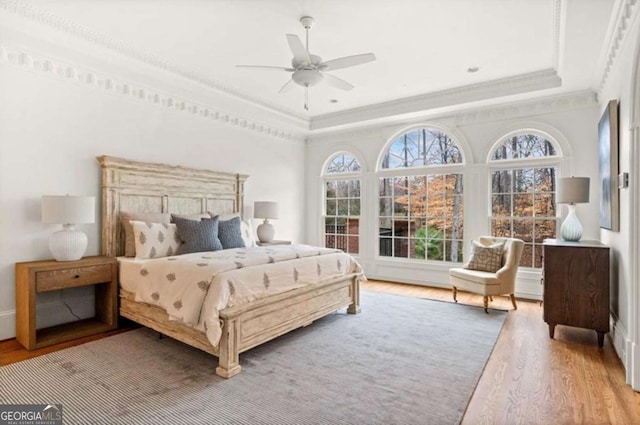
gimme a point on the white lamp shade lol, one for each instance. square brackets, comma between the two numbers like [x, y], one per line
[68, 209]
[263, 209]
[573, 190]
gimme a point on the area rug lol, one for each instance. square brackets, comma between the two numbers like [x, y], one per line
[401, 361]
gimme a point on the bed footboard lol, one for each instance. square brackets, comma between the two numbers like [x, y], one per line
[246, 326]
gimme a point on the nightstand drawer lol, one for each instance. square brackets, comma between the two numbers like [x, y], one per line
[52, 280]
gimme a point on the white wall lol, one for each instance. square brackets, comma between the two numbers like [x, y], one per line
[625, 287]
[573, 124]
[53, 125]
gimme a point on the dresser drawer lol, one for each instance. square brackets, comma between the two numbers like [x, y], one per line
[52, 280]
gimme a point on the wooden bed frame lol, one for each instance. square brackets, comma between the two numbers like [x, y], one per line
[130, 186]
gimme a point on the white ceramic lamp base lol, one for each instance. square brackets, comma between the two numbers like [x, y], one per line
[68, 244]
[265, 232]
[571, 229]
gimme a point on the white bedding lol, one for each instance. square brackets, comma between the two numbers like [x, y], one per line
[193, 288]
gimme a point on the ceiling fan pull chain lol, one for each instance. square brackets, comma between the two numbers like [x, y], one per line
[306, 98]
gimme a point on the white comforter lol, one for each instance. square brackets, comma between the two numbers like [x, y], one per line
[193, 288]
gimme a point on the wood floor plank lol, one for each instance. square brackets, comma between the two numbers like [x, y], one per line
[529, 378]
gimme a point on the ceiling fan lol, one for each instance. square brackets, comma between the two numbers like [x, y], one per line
[308, 69]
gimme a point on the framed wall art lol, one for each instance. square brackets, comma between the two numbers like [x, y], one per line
[608, 161]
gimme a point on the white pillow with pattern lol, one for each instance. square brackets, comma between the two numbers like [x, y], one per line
[155, 240]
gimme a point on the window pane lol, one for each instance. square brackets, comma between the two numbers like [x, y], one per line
[527, 256]
[331, 207]
[386, 187]
[501, 181]
[354, 207]
[501, 205]
[501, 228]
[524, 146]
[386, 247]
[354, 188]
[343, 163]
[353, 226]
[401, 247]
[435, 249]
[523, 229]
[341, 225]
[420, 147]
[343, 207]
[544, 229]
[537, 256]
[545, 205]
[385, 226]
[523, 205]
[523, 180]
[331, 189]
[342, 188]
[354, 244]
[330, 225]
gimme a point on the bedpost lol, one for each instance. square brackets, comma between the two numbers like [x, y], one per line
[228, 354]
[354, 307]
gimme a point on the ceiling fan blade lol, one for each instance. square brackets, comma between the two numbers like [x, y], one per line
[347, 61]
[280, 68]
[287, 86]
[300, 54]
[336, 82]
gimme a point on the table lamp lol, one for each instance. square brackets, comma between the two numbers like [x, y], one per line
[68, 244]
[571, 191]
[265, 210]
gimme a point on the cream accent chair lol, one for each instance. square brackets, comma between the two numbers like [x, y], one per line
[486, 283]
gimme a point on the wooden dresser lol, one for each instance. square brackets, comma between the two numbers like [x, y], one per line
[576, 285]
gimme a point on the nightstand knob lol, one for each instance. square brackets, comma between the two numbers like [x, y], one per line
[77, 276]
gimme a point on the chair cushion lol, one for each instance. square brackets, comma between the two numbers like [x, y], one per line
[487, 258]
[474, 276]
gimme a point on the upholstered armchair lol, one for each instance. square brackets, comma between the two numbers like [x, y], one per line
[487, 283]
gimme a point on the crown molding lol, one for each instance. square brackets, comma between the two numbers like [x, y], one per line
[29, 12]
[82, 76]
[625, 12]
[500, 112]
[532, 81]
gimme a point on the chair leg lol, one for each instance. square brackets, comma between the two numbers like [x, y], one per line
[486, 304]
[513, 301]
[455, 294]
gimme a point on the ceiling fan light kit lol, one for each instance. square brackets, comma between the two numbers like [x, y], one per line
[309, 70]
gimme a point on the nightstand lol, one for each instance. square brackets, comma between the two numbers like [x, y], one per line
[273, 243]
[36, 277]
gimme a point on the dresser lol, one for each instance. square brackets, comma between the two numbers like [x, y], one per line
[576, 285]
[37, 277]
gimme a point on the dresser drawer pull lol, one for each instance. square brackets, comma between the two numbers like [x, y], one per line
[77, 276]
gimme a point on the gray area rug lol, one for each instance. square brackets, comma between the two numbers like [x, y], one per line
[401, 361]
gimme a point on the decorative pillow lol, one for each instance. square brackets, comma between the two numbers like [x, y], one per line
[230, 233]
[155, 240]
[198, 236]
[129, 238]
[246, 228]
[196, 216]
[485, 258]
[247, 234]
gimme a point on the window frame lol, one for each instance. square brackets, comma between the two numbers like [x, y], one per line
[420, 171]
[553, 161]
[341, 176]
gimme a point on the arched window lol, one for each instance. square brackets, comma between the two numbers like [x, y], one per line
[523, 170]
[421, 197]
[342, 203]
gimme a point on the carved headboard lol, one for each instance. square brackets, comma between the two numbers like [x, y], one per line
[131, 186]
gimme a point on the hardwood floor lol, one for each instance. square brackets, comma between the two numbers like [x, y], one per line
[529, 378]
[532, 379]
